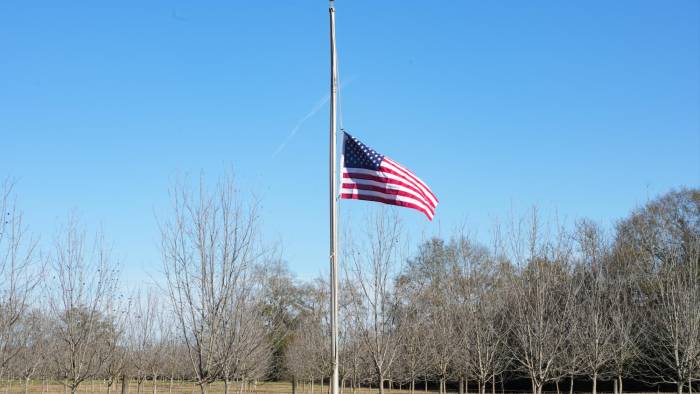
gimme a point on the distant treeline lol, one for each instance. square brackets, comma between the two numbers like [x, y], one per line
[568, 308]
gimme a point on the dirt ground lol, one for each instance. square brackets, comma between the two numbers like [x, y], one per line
[98, 387]
[37, 387]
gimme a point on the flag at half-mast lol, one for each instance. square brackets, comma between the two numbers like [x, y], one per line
[368, 175]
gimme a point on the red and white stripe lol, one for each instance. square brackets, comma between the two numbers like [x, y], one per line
[393, 184]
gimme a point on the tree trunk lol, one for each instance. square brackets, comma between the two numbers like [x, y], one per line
[73, 389]
[139, 382]
[203, 388]
[493, 384]
[381, 383]
[539, 388]
[556, 383]
[619, 385]
[595, 382]
[425, 388]
[155, 383]
[461, 385]
[571, 384]
[170, 387]
[294, 385]
[413, 385]
[679, 387]
[615, 386]
[226, 386]
[26, 385]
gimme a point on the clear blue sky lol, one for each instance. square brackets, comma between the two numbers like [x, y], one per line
[583, 108]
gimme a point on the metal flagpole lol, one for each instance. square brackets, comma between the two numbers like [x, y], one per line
[333, 209]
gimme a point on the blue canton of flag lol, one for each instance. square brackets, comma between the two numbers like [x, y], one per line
[359, 155]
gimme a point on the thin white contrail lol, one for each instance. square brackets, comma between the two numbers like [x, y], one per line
[319, 105]
[306, 117]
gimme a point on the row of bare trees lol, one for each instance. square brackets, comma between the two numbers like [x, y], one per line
[64, 315]
[542, 303]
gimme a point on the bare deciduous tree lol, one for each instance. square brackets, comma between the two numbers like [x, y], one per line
[542, 302]
[34, 337]
[18, 278]
[664, 239]
[117, 365]
[595, 334]
[250, 351]
[308, 357]
[674, 334]
[82, 304]
[208, 245]
[372, 267]
[352, 355]
[412, 350]
[484, 327]
[625, 312]
[144, 330]
[433, 270]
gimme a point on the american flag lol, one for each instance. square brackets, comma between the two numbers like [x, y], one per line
[368, 175]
